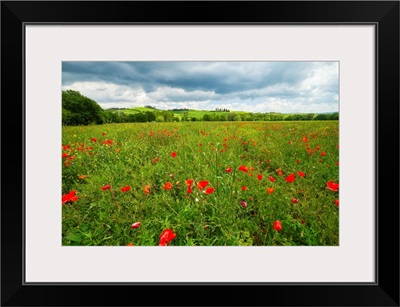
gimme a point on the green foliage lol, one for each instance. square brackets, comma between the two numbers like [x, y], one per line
[139, 155]
[80, 110]
[207, 117]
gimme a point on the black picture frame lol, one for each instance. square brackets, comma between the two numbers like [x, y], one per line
[383, 14]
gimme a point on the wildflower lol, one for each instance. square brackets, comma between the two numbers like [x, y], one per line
[173, 154]
[94, 140]
[156, 160]
[65, 155]
[70, 197]
[301, 174]
[228, 169]
[103, 133]
[166, 237]
[290, 178]
[272, 179]
[146, 189]
[332, 186]
[244, 188]
[189, 182]
[295, 200]
[243, 203]
[337, 202]
[323, 154]
[135, 225]
[167, 186]
[129, 244]
[106, 187]
[243, 168]
[270, 190]
[125, 188]
[210, 190]
[259, 177]
[202, 184]
[279, 172]
[82, 176]
[277, 225]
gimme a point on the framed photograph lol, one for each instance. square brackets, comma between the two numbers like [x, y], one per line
[198, 156]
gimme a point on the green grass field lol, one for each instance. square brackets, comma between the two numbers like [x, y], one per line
[208, 183]
[198, 114]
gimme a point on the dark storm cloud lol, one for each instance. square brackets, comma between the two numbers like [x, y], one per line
[220, 77]
[170, 82]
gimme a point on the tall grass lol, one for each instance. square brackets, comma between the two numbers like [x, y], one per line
[238, 212]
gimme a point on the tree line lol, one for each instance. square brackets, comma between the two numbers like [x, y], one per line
[80, 110]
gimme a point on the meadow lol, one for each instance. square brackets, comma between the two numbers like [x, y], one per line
[201, 184]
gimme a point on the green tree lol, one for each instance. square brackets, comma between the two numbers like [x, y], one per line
[207, 117]
[321, 117]
[80, 110]
[151, 116]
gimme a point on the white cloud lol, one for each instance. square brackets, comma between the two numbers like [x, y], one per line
[163, 94]
[298, 87]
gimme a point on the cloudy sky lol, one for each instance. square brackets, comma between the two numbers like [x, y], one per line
[286, 87]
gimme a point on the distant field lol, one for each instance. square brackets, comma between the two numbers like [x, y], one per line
[201, 184]
[136, 110]
[198, 114]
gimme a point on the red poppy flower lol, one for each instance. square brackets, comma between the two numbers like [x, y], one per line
[125, 188]
[295, 200]
[244, 188]
[337, 202]
[129, 244]
[210, 190]
[107, 142]
[323, 154]
[156, 160]
[166, 237]
[290, 178]
[279, 172]
[135, 225]
[94, 140]
[243, 168]
[146, 189]
[272, 179]
[277, 225]
[301, 174]
[103, 133]
[270, 190]
[173, 154]
[82, 176]
[332, 186]
[106, 187]
[70, 197]
[65, 155]
[202, 184]
[243, 203]
[189, 190]
[189, 182]
[297, 161]
[167, 186]
[228, 169]
[259, 176]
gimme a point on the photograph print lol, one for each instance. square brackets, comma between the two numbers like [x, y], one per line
[200, 153]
